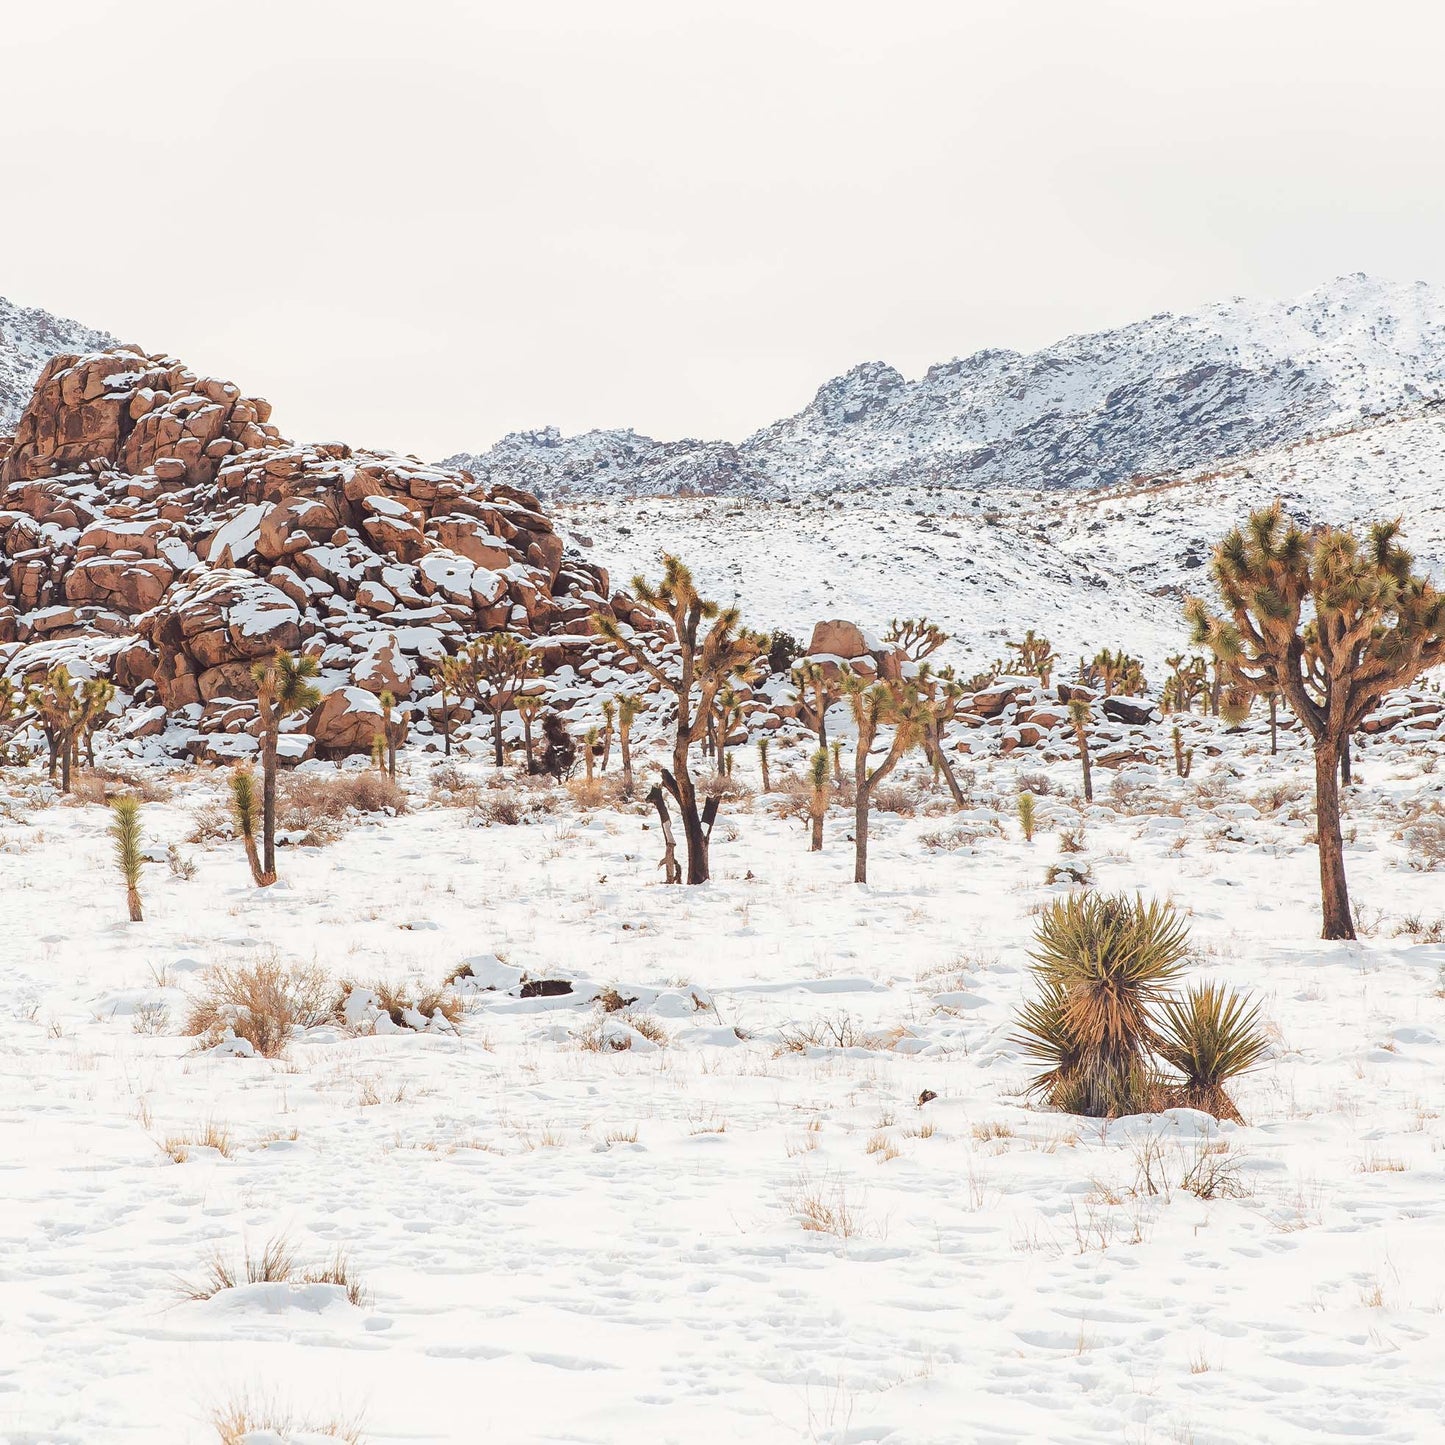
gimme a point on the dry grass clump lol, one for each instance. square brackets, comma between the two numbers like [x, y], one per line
[825, 1208]
[1275, 796]
[320, 806]
[238, 1420]
[597, 1038]
[598, 792]
[261, 1003]
[275, 1264]
[832, 1031]
[396, 1001]
[211, 1135]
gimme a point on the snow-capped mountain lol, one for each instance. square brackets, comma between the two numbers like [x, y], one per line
[29, 337]
[1166, 394]
[1090, 568]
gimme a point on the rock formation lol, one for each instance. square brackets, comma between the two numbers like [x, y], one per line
[157, 527]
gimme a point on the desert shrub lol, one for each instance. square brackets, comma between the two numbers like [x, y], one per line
[897, 797]
[243, 1421]
[728, 789]
[213, 823]
[179, 864]
[1425, 842]
[102, 785]
[962, 835]
[1274, 797]
[525, 800]
[397, 1000]
[320, 805]
[1071, 840]
[261, 1003]
[1068, 873]
[1036, 783]
[1105, 1016]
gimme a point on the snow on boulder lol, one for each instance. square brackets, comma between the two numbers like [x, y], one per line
[349, 720]
[384, 667]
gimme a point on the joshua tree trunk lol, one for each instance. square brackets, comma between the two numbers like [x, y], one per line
[527, 740]
[270, 725]
[671, 872]
[941, 765]
[624, 740]
[1334, 890]
[1345, 775]
[679, 783]
[446, 726]
[497, 735]
[1273, 724]
[816, 845]
[65, 752]
[860, 832]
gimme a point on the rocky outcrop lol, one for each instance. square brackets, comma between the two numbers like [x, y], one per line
[163, 512]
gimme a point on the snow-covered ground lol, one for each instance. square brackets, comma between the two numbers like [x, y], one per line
[564, 1243]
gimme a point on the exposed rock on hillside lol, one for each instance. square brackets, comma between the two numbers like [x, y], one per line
[1164, 394]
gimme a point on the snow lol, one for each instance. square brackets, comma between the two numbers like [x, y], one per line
[564, 1239]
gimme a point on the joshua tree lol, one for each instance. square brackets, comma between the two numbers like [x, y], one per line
[875, 705]
[729, 715]
[394, 730]
[1027, 817]
[917, 636]
[609, 724]
[1183, 757]
[945, 696]
[283, 687]
[1332, 622]
[763, 764]
[1036, 656]
[628, 707]
[126, 832]
[1115, 672]
[243, 808]
[837, 751]
[589, 751]
[12, 700]
[528, 706]
[1079, 713]
[96, 694]
[707, 662]
[498, 667]
[818, 687]
[818, 799]
[59, 710]
[453, 681]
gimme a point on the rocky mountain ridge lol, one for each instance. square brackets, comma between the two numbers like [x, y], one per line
[1166, 394]
[29, 337]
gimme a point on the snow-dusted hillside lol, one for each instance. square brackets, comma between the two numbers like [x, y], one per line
[29, 337]
[1090, 569]
[1168, 393]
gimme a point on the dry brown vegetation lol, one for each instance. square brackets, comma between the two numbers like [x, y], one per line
[275, 1264]
[320, 806]
[261, 1002]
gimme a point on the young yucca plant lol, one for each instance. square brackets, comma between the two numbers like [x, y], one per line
[818, 802]
[1079, 715]
[1211, 1035]
[763, 764]
[1027, 816]
[243, 807]
[126, 832]
[1102, 961]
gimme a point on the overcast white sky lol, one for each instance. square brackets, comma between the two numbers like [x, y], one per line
[423, 223]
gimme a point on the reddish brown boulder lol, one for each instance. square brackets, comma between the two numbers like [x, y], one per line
[349, 720]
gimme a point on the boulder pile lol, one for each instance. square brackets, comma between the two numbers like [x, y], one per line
[156, 527]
